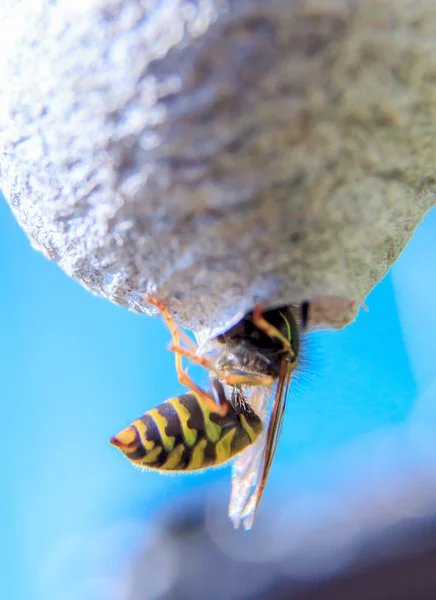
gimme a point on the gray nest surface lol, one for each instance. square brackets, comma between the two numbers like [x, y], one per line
[219, 153]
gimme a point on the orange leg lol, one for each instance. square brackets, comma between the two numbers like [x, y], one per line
[188, 341]
[182, 374]
[228, 378]
[269, 329]
[176, 333]
[185, 380]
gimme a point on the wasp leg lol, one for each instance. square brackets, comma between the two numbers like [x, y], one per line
[269, 329]
[248, 379]
[235, 377]
[232, 378]
[191, 345]
[182, 374]
[176, 332]
[218, 391]
[185, 380]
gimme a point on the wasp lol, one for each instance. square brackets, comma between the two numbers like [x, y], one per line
[263, 351]
[249, 364]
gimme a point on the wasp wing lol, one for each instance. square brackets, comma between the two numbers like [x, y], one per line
[251, 468]
[274, 430]
[247, 465]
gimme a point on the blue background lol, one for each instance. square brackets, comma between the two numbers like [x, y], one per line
[75, 369]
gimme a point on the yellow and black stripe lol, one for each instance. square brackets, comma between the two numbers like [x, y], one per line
[183, 434]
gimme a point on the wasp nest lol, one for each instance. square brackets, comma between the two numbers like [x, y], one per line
[218, 153]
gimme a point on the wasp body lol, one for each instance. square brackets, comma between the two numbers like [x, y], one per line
[249, 365]
[184, 434]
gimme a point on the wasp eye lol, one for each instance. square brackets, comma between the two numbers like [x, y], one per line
[127, 440]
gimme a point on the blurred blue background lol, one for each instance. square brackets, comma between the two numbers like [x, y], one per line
[76, 369]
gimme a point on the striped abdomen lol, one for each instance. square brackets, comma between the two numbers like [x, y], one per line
[182, 434]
